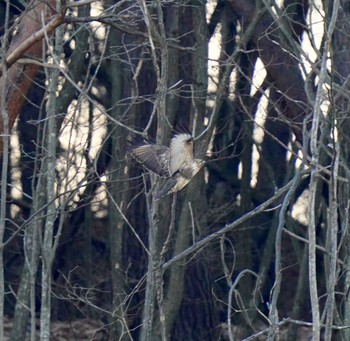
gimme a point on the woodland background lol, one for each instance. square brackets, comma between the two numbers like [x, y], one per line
[255, 247]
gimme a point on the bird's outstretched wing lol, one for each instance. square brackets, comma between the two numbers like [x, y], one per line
[154, 157]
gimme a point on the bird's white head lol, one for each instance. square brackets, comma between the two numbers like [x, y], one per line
[181, 141]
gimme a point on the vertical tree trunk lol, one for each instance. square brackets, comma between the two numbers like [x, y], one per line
[174, 290]
[47, 247]
[4, 144]
[151, 330]
[118, 189]
[156, 218]
[340, 95]
[26, 294]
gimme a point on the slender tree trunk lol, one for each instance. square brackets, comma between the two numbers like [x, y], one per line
[48, 252]
[117, 189]
[149, 332]
[4, 145]
[156, 218]
[26, 294]
[315, 150]
[340, 95]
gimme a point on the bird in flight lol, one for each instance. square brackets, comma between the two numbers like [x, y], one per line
[175, 163]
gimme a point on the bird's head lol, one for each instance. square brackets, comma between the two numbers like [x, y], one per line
[183, 138]
[181, 142]
[190, 142]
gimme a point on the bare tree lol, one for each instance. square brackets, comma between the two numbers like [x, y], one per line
[254, 247]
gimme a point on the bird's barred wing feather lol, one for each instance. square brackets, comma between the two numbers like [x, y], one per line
[153, 157]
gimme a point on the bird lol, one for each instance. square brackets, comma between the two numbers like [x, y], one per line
[175, 163]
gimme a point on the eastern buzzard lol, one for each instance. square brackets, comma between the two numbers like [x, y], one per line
[175, 163]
